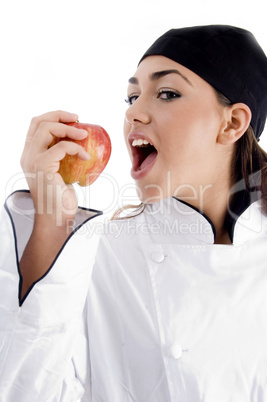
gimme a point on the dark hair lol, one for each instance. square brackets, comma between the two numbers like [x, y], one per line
[249, 162]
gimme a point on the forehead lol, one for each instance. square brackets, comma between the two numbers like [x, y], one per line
[151, 67]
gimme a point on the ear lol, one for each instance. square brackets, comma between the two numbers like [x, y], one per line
[236, 121]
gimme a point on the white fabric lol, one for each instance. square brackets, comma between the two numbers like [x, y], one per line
[156, 313]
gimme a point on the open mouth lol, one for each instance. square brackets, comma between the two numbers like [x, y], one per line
[144, 154]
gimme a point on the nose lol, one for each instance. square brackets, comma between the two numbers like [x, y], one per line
[138, 112]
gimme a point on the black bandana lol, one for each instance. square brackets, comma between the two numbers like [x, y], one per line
[228, 58]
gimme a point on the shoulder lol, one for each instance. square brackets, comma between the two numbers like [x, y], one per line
[251, 224]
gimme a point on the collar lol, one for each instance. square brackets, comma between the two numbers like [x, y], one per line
[182, 219]
[251, 224]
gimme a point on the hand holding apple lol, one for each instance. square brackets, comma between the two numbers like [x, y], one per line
[55, 203]
[97, 144]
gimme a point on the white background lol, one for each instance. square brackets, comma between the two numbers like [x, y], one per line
[77, 56]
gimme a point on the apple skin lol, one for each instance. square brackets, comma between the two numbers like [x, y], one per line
[97, 144]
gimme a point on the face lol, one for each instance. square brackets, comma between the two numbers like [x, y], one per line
[171, 128]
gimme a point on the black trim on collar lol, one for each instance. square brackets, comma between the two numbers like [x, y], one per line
[21, 300]
[200, 212]
[240, 203]
[238, 206]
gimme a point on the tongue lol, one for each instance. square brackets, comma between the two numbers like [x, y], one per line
[150, 158]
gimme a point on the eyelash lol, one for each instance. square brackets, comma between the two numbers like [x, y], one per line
[132, 98]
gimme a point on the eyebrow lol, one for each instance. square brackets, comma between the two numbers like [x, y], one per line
[159, 74]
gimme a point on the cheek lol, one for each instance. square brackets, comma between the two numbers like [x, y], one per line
[201, 125]
[126, 131]
[190, 137]
[126, 128]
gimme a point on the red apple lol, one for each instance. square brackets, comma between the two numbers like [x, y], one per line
[97, 144]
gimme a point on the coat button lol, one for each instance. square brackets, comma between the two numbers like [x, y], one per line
[176, 351]
[157, 256]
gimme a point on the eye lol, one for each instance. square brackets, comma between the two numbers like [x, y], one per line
[131, 99]
[168, 95]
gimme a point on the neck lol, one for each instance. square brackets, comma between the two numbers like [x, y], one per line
[216, 209]
[214, 204]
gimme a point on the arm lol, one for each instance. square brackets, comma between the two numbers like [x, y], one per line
[48, 247]
[43, 246]
[54, 202]
[42, 339]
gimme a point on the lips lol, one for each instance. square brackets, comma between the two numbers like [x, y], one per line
[144, 155]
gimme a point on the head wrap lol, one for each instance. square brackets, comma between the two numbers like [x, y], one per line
[228, 58]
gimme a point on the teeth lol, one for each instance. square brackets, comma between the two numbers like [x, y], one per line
[139, 142]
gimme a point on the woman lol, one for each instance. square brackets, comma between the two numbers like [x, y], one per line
[172, 305]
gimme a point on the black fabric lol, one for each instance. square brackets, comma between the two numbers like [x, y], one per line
[228, 58]
[243, 195]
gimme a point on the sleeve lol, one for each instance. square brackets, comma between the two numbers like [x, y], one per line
[43, 347]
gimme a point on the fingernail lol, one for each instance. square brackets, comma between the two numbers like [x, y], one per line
[87, 156]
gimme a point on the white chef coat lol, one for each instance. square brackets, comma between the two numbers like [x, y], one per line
[151, 312]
